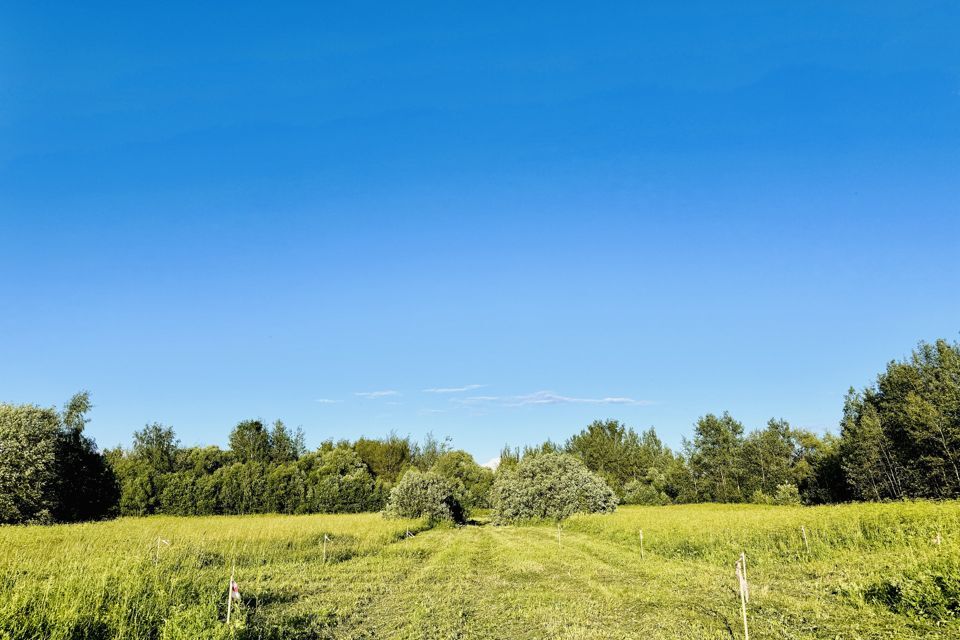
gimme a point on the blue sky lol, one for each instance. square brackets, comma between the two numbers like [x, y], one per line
[495, 223]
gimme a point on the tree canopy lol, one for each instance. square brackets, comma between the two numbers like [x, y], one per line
[49, 470]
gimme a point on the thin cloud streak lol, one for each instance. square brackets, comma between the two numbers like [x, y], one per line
[377, 394]
[326, 401]
[468, 387]
[547, 398]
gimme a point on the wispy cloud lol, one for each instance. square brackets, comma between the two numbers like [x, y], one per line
[545, 398]
[468, 387]
[425, 412]
[377, 394]
[326, 401]
[477, 399]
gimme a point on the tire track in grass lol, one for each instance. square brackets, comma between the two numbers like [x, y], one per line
[374, 580]
[483, 583]
[556, 594]
[639, 592]
[430, 599]
[327, 597]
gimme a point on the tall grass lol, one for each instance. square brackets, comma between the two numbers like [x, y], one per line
[111, 580]
[871, 571]
[718, 532]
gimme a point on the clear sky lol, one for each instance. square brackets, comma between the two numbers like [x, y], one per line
[495, 223]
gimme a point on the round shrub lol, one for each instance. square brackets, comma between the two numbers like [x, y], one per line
[640, 492]
[787, 494]
[471, 481]
[424, 495]
[549, 486]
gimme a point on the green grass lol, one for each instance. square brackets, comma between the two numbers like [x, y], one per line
[872, 571]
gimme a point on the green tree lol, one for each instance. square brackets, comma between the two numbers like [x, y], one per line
[426, 455]
[202, 461]
[250, 442]
[179, 495]
[387, 459]
[287, 489]
[49, 470]
[716, 456]
[472, 481]
[818, 472]
[87, 487]
[28, 451]
[866, 453]
[609, 449]
[143, 471]
[286, 446]
[650, 490]
[156, 447]
[340, 482]
[680, 484]
[769, 456]
[244, 488]
[918, 404]
[549, 486]
[509, 457]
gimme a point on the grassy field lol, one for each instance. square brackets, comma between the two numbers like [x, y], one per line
[865, 571]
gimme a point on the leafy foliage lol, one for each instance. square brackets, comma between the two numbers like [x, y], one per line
[425, 495]
[619, 454]
[901, 437]
[387, 458]
[28, 449]
[549, 486]
[49, 470]
[787, 494]
[471, 482]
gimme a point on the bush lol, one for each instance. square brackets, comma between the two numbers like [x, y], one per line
[640, 492]
[549, 486]
[28, 450]
[471, 481]
[424, 495]
[787, 494]
[50, 471]
[341, 483]
[759, 497]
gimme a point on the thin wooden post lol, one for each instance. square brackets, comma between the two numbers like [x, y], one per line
[230, 592]
[742, 580]
[746, 582]
[325, 538]
[641, 544]
[806, 543]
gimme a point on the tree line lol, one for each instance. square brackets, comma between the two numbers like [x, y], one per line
[268, 470]
[899, 438]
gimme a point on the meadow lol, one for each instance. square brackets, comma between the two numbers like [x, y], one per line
[849, 571]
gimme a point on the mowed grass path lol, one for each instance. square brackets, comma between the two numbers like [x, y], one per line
[871, 571]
